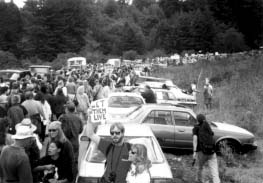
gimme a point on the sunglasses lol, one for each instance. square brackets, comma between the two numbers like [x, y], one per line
[116, 133]
[52, 130]
[133, 152]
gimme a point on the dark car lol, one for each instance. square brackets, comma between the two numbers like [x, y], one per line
[173, 126]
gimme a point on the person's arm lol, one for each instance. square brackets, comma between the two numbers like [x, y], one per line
[194, 146]
[43, 167]
[89, 131]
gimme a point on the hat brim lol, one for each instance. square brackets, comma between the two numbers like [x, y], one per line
[21, 136]
[32, 126]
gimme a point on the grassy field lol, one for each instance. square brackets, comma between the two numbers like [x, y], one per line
[238, 98]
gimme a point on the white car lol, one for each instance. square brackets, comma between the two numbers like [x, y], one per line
[92, 163]
[164, 96]
[117, 105]
[173, 95]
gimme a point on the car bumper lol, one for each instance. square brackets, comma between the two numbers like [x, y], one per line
[248, 147]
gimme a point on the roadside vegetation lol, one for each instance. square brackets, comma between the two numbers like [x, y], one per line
[238, 95]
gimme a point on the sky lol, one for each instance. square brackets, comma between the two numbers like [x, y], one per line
[19, 3]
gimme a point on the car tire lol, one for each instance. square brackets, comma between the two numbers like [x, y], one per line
[228, 146]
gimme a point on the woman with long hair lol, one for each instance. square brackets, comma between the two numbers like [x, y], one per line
[139, 171]
[55, 133]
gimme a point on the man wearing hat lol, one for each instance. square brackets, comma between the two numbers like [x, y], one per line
[14, 162]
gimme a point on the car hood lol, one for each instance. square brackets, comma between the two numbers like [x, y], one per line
[232, 128]
[95, 170]
[179, 94]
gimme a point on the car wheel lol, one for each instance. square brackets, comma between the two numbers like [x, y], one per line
[226, 147]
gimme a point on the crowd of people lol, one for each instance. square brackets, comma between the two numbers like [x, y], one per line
[41, 119]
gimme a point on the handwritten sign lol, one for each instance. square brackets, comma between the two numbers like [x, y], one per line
[97, 111]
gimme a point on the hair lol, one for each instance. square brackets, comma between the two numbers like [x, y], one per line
[3, 90]
[40, 97]
[29, 95]
[61, 136]
[142, 161]
[60, 92]
[119, 126]
[57, 143]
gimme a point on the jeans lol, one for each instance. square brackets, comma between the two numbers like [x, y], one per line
[212, 165]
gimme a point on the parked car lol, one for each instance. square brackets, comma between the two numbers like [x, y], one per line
[173, 126]
[117, 105]
[11, 75]
[142, 79]
[91, 166]
[164, 96]
[174, 95]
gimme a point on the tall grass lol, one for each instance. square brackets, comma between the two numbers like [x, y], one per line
[238, 88]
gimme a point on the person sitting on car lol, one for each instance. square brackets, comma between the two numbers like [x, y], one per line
[148, 94]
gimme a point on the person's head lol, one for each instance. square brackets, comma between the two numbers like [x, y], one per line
[117, 133]
[207, 81]
[29, 95]
[70, 107]
[60, 92]
[200, 118]
[54, 148]
[80, 90]
[60, 83]
[138, 155]
[24, 136]
[55, 131]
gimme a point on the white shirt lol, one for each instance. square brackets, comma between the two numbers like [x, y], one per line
[143, 177]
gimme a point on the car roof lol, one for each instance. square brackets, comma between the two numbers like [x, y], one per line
[124, 94]
[13, 70]
[131, 129]
[166, 107]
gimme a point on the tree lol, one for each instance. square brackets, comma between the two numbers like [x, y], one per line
[230, 41]
[59, 27]
[11, 27]
[141, 4]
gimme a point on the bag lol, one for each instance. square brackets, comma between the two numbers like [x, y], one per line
[75, 101]
[206, 140]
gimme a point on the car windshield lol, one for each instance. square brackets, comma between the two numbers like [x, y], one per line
[124, 101]
[9, 75]
[154, 153]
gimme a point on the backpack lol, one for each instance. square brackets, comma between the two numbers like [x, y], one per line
[206, 140]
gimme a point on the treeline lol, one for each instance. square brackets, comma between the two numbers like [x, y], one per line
[45, 29]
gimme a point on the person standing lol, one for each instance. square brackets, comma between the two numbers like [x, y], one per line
[114, 150]
[14, 162]
[204, 149]
[35, 111]
[208, 94]
[72, 126]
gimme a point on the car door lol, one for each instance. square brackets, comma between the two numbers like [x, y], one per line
[162, 126]
[184, 123]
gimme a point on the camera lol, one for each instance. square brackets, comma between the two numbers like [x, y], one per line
[112, 176]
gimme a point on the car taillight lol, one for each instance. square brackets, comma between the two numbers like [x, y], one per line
[161, 181]
[87, 180]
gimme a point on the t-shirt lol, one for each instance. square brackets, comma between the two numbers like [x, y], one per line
[115, 160]
[64, 168]
[196, 132]
[143, 177]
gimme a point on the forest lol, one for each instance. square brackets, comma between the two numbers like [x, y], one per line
[49, 30]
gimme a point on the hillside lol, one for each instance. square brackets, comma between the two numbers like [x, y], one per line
[238, 88]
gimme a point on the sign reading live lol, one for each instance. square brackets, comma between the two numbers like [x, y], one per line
[97, 111]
